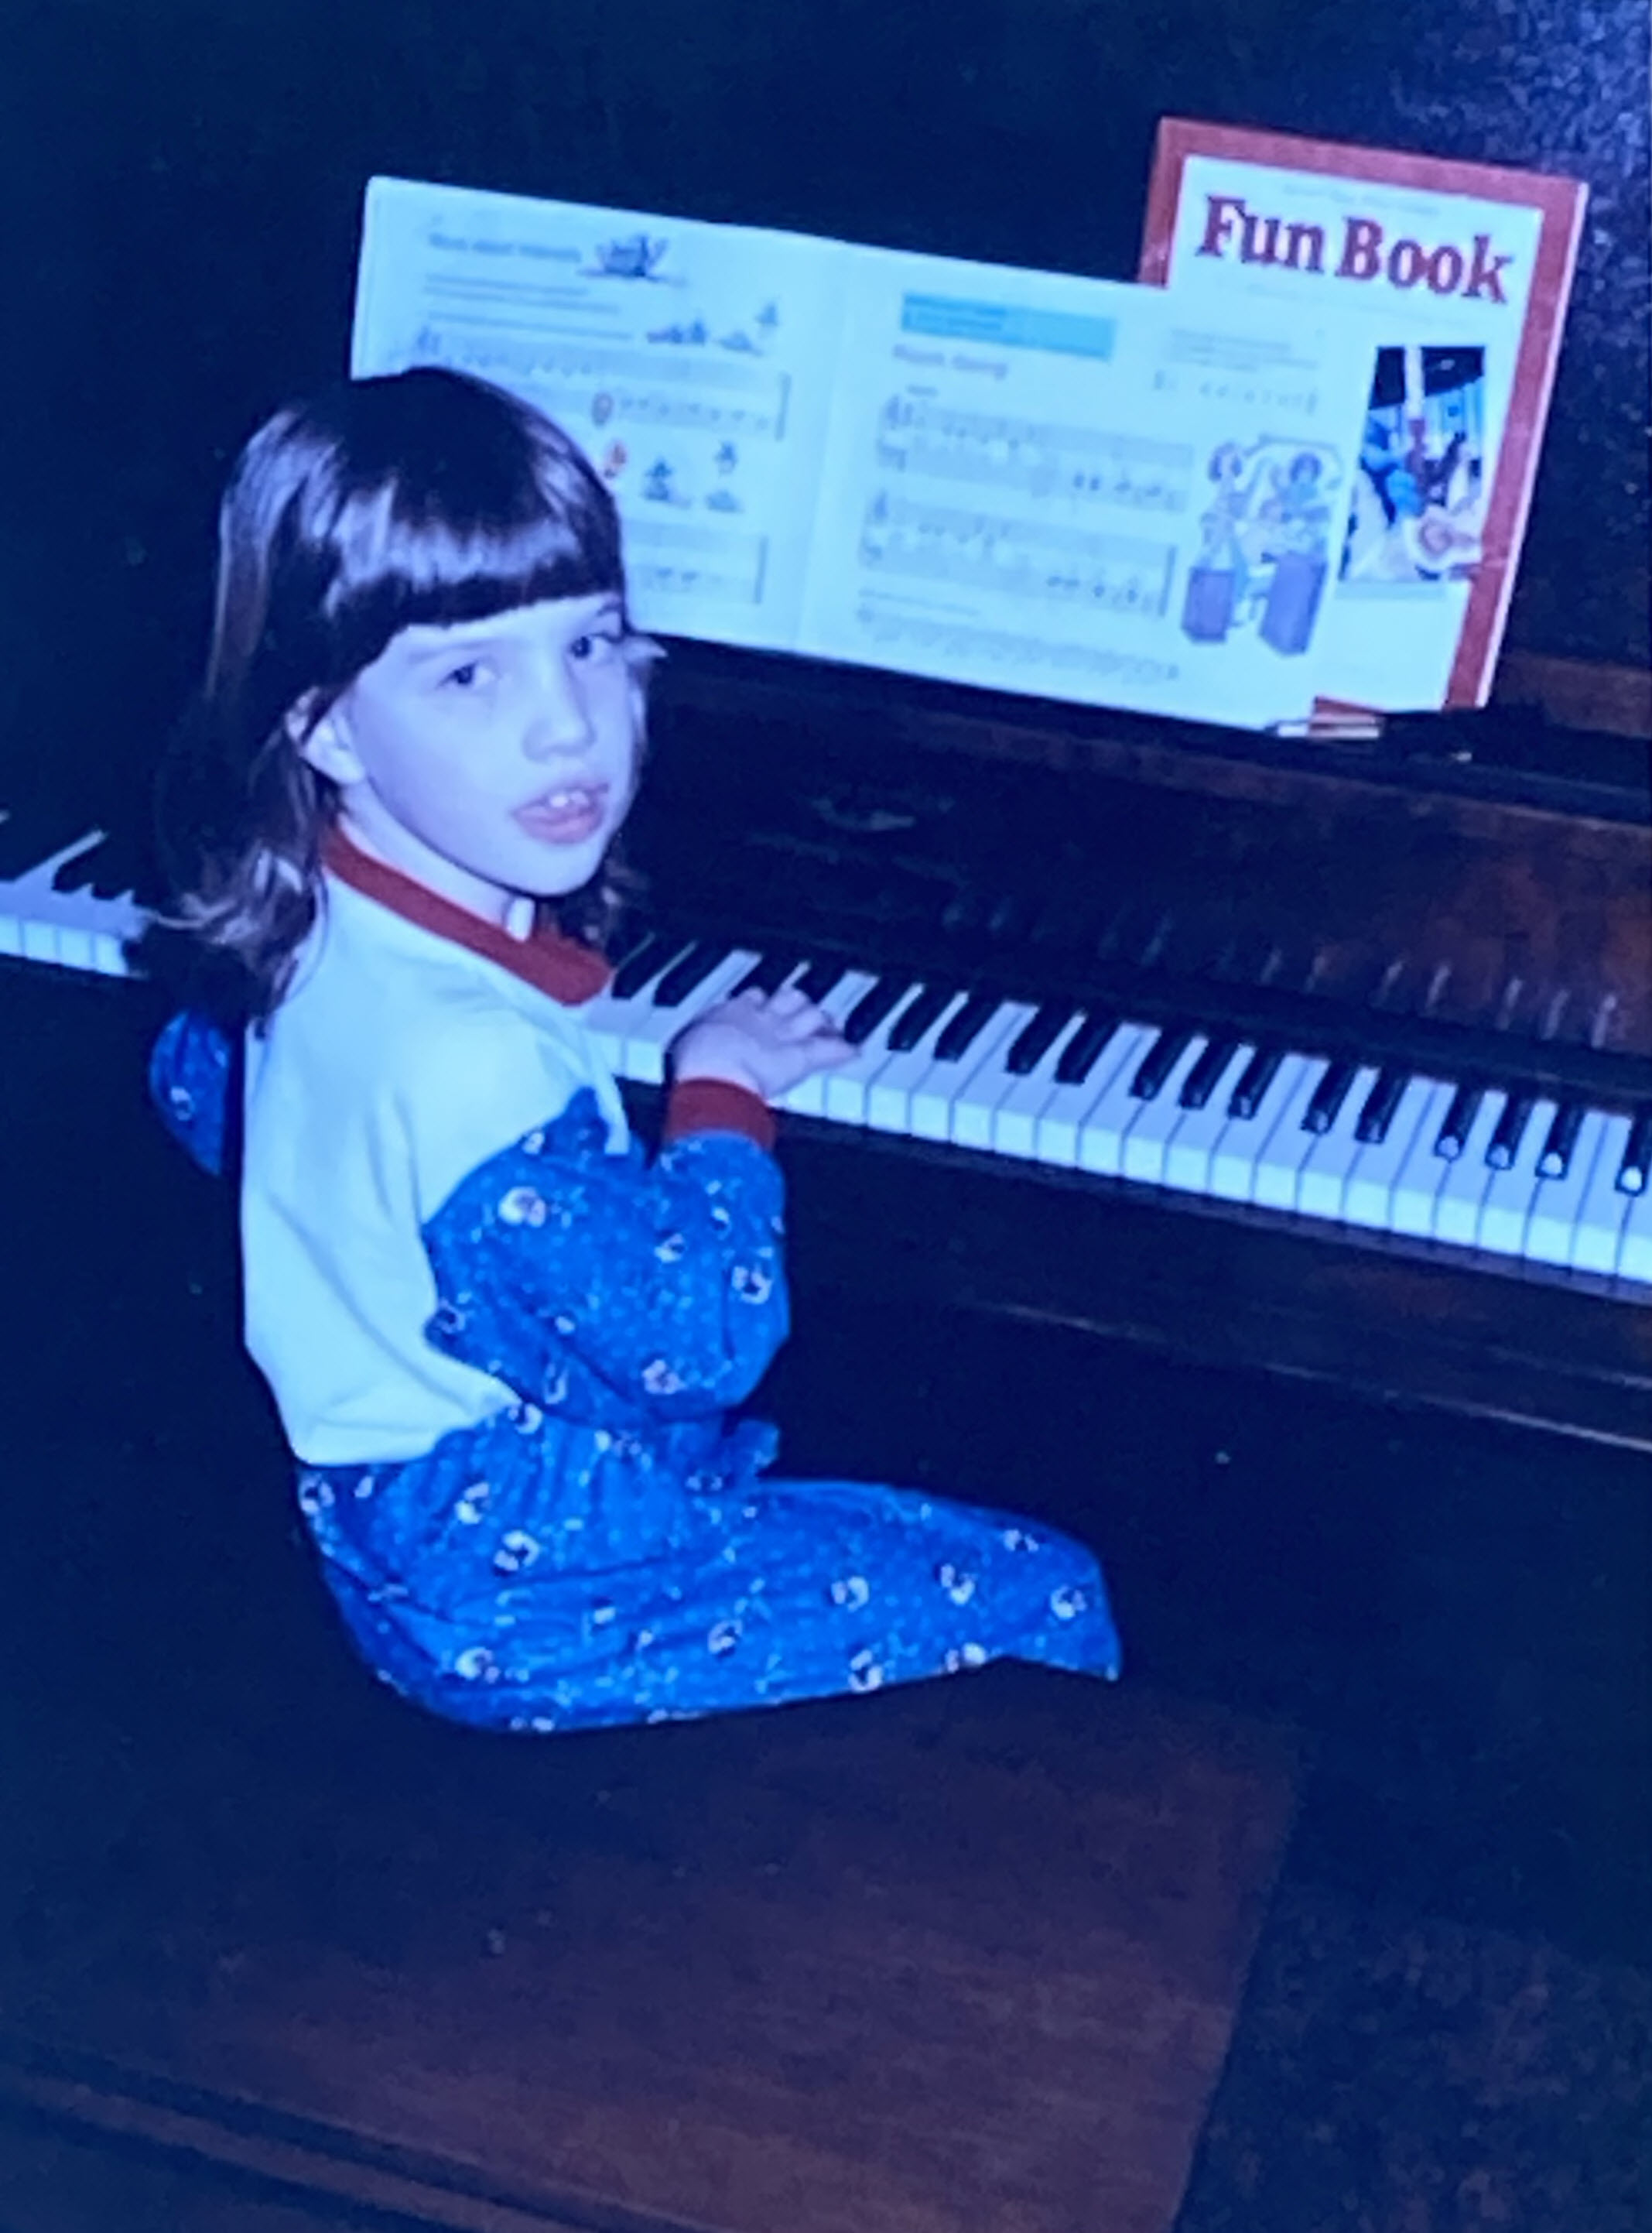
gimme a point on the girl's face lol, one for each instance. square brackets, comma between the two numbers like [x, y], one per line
[491, 760]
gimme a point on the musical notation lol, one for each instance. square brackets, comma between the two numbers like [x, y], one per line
[614, 386]
[1067, 566]
[1036, 458]
[674, 560]
[1088, 672]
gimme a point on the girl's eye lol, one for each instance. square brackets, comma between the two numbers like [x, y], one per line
[594, 647]
[466, 677]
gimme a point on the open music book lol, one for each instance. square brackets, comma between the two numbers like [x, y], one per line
[1023, 481]
[1461, 272]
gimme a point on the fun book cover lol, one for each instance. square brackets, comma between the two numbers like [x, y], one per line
[1461, 273]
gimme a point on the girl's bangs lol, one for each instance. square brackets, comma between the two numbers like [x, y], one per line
[395, 570]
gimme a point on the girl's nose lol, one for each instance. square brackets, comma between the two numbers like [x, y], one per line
[560, 722]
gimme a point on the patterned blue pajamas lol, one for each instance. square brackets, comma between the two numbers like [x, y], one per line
[607, 1549]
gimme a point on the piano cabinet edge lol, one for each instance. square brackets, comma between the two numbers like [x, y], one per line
[1321, 785]
[942, 1230]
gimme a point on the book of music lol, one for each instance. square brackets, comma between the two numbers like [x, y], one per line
[1017, 479]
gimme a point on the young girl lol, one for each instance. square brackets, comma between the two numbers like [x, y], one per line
[502, 1341]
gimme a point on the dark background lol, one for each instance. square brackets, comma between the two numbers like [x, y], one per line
[182, 185]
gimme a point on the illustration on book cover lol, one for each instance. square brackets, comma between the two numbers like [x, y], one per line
[1418, 504]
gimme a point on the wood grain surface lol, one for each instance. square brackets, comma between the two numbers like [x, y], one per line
[962, 1955]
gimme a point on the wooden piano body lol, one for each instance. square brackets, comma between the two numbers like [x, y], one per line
[1486, 920]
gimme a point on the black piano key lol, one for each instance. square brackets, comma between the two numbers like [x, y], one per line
[1036, 1038]
[632, 938]
[1632, 1171]
[1202, 1080]
[684, 976]
[113, 870]
[1157, 1064]
[966, 1025]
[74, 875]
[1556, 1160]
[1329, 1094]
[820, 977]
[769, 974]
[1258, 1075]
[910, 1025]
[659, 948]
[1084, 1051]
[1510, 1130]
[1380, 1102]
[873, 1006]
[1460, 1117]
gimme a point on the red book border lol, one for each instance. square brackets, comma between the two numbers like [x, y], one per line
[1561, 202]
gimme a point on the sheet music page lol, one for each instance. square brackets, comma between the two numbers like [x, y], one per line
[693, 363]
[1087, 491]
[1442, 281]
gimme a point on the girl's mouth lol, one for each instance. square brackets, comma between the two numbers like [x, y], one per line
[567, 816]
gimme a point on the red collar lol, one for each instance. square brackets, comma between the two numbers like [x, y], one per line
[549, 961]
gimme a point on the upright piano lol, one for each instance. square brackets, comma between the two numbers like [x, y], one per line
[1330, 1059]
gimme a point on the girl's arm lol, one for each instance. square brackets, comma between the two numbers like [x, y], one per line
[598, 1284]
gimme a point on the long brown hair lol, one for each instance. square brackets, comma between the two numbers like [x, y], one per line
[424, 496]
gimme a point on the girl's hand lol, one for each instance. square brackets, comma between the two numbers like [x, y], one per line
[766, 1042]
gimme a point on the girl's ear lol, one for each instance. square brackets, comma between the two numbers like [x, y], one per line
[325, 744]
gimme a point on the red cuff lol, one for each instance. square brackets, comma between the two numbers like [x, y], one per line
[710, 1104]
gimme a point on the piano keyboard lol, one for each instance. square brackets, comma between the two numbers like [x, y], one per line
[1514, 1177]
[73, 929]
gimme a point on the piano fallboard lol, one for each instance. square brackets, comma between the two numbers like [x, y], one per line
[940, 1231]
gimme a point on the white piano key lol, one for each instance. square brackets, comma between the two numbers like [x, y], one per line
[1188, 1153]
[605, 1016]
[1156, 1121]
[932, 1099]
[971, 1124]
[808, 1097]
[1367, 1198]
[1635, 1255]
[848, 1090]
[1551, 1227]
[1015, 1120]
[1462, 1191]
[616, 1022]
[1322, 1185]
[1417, 1182]
[1061, 1121]
[906, 1072]
[108, 955]
[1233, 1160]
[1506, 1203]
[650, 1030]
[1273, 1185]
[1101, 1136]
[10, 933]
[1597, 1230]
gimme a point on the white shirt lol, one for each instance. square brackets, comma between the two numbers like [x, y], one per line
[398, 1063]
